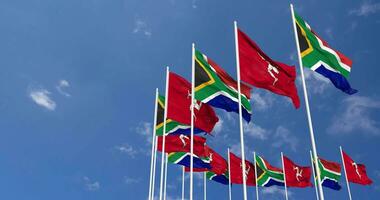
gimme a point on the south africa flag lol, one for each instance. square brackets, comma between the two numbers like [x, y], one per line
[268, 175]
[222, 178]
[215, 87]
[330, 174]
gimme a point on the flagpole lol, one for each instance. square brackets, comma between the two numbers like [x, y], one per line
[204, 186]
[192, 119]
[283, 167]
[315, 181]
[315, 155]
[240, 111]
[164, 132]
[229, 175]
[154, 167]
[151, 184]
[257, 185]
[166, 174]
[345, 173]
[183, 182]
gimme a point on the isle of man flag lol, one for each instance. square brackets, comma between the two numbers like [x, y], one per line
[356, 173]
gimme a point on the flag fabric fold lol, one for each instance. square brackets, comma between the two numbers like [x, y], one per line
[179, 103]
[356, 173]
[330, 174]
[222, 178]
[267, 175]
[181, 143]
[183, 158]
[217, 88]
[259, 70]
[317, 55]
[296, 176]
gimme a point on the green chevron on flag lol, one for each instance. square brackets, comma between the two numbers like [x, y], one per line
[268, 175]
[171, 126]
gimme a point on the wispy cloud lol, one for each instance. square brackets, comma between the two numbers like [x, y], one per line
[275, 191]
[316, 82]
[130, 180]
[218, 126]
[366, 8]
[127, 149]
[91, 185]
[142, 27]
[329, 33]
[256, 131]
[62, 85]
[42, 98]
[283, 137]
[145, 129]
[262, 100]
[356, 115]
[194, 4]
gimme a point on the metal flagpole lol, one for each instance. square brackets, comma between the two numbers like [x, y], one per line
[192, 120]
[154, 167]
[204, 186]
[283, 168]
[315, 155]
[164, 132]
[229, 175]
[240, 111]
[345, 173]
[166, 174]
[183, 182]
[153, 149]
[315, 181]
[257, 185]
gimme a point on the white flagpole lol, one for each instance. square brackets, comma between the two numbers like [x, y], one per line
[192, 119]
[151, 184]
[315, 154]
[166, 174]
[154, 167]
[283, 168]
[257, 185]
[229, 175]
[315, 181]
[240, 111]
[345, 173]
[183, 182]
[164, 133]
[204, 186]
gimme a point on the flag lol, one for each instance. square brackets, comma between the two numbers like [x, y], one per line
[259, 70]
[296, 176]
[179, 105]
[183, 158]
[356, 173]
[268, 175]
[318, 56]
[181, 143]
[236, 171]
[218, 164]
[222, 178]
[330, 174]
[215, 87]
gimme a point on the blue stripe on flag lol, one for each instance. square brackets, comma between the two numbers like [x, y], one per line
[337, 79]
[221, 179]
[331, 184]
[197, 162]
[229, 105]
[273, 182]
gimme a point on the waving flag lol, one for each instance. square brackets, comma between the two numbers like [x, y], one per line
[183, 158]
[268, 175]
[179, 105]
[330, 174]
[258, 69]
[172, 127]
[218, 164]
[222, 178]
[296, 176]
[215, 87]
[181, 143]
[236, 171]
[356, 173]
[318, 56]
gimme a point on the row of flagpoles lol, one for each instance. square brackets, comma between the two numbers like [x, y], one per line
[281, 79]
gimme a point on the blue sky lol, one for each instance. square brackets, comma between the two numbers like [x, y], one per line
[78, 78]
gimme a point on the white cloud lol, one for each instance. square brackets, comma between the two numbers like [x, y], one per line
[194, 4]
[62, 84]
[356, 115]
[262, 101]
[283, 137]
[366, 8]
[316, 83]
[129, 180]
[91, 185]
[218, 126]
[41, 97]
[274, 190]
[142, 27]
[127, 149]
[256, 131]
[329, 32]
[145, 129]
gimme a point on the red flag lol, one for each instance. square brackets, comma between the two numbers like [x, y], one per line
[179, 105]
[218, 163]
[258, 69]
[236, 171]
[181, 143]
[356, 173]
[296, 176]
